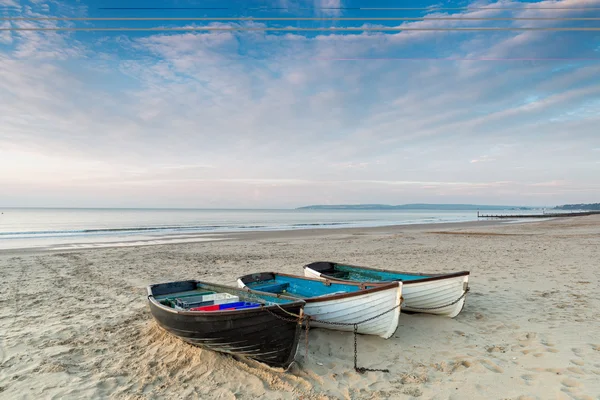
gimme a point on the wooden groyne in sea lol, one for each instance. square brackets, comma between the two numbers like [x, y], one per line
[543, 215]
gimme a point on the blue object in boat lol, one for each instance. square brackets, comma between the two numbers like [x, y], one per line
[240, 305]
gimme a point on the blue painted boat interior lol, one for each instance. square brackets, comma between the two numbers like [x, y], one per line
[300, 287]
[367, 275]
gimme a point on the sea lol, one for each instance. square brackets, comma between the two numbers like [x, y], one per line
[72, 228]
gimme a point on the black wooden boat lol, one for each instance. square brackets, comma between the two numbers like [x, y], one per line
[250, 328]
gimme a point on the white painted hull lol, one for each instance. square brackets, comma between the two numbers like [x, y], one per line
[429, 296]
[357, 308]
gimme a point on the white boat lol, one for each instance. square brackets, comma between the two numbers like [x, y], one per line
[336, 305]
[440, 294]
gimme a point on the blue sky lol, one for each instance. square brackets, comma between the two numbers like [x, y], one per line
[283, 119]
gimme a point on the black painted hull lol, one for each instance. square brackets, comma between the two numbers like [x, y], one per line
[252, 333]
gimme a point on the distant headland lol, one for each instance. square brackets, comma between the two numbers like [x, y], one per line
[589, 207]
[416, 206]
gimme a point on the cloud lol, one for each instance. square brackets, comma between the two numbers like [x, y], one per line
[9, 3]
[352, 165]
[329, 7]
[5, 36]
[482, 159]
[551, 183]
[320, 8]
[233, 111]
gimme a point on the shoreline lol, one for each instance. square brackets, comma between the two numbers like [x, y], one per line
[207, 237]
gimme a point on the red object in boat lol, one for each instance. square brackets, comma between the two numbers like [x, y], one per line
[214, 307]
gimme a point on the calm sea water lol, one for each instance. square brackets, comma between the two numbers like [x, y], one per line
[73, 228]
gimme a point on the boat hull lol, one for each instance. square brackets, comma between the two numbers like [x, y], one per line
[354, 309]
[254, 333]
[341, 312]
[439, 295]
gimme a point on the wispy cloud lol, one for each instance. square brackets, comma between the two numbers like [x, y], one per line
[9, 3]
[551, 183]
[482, 159]
[329, 7]
[352, 165]
[226, 112]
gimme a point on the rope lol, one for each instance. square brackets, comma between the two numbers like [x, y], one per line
[298, 316]
[306, 339]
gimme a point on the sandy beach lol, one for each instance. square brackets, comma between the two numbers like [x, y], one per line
[76, 324]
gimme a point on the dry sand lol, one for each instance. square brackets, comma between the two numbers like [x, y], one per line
[76, 324]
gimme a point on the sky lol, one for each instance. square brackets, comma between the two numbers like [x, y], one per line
[255, 118]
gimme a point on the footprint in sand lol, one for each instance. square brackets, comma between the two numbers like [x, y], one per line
[527, 336]
[595, 347]
[578, 362]
[528, 378]
[573, 393]
[491, 366]
[576, 370]
[527, 351]
[569, 382]
[495, 349]
[557, 371]
[460, 365]
[577, 351]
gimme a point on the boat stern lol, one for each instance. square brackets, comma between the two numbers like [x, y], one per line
[395, 314]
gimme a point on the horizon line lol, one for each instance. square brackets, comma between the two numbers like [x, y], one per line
[274, 208]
